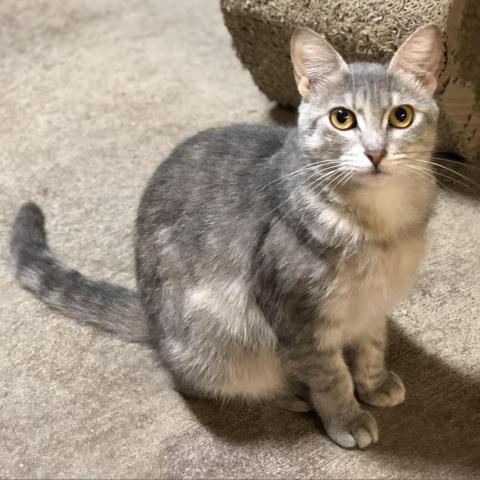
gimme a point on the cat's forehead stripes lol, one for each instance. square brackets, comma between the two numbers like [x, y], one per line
[369, 88]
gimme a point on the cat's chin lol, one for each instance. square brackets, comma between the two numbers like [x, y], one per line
[371, 177]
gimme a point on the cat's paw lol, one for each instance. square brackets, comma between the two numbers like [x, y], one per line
[389, 393]
[360, 431]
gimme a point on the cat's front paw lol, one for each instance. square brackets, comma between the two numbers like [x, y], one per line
[360, 431]
[389, 393]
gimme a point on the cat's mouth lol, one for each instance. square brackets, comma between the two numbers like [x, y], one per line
[371, 175]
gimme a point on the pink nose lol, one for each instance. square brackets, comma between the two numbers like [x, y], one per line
[376, 156]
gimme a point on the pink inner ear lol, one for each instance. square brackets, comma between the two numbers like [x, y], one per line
[421, 56]
[303, 86]
[314, 59]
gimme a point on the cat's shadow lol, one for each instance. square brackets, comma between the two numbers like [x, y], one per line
[283, 116]
[439, 422]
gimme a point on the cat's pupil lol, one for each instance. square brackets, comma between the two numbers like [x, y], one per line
[401, 114]
[342, 115]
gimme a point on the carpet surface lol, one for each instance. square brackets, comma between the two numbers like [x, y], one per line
[94, 96]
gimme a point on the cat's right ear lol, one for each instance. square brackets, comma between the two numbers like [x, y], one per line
[314, 60]
[421, 55]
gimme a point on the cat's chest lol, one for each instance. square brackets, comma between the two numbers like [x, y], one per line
[367, 285]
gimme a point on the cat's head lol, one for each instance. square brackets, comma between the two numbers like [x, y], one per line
[369, 128]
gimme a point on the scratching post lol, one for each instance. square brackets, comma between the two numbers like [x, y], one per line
[368, 30]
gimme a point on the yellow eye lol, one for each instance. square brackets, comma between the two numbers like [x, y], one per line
[342, 118]
[401, 117]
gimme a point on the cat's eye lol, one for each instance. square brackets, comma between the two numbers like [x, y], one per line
[342, 118]
[401, 116]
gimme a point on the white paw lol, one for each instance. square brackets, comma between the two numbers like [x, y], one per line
[361, 431]
[389, 393]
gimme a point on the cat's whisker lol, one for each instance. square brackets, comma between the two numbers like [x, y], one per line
[319, 182]
[441, 159]
[324, 177]
[459, 182]
[343, 179]
[335, 178]
[460, 165]
[313, 182]
[425, 173]
[426, 177]
[322, 166]
[294, 173]
[467, 179]
[312, 166]
[470, 181]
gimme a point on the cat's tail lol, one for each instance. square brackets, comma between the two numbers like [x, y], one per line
[109, 307]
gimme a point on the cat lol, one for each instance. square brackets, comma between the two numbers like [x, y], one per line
[263, 253]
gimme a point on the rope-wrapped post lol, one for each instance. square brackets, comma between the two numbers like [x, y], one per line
[369, 30]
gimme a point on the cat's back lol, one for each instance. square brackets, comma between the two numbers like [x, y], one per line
[211, 171]
[218, 154]
[209, 192]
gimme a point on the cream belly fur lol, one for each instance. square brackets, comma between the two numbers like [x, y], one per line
[367, 286]
[254, 375]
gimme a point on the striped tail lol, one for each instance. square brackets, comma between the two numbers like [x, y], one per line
[109, 307]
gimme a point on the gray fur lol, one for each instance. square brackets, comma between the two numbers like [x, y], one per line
[109, 307]
[248, 247]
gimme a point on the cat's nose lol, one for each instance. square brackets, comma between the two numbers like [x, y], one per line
[376, 156]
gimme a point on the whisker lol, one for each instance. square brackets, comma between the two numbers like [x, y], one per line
[340, 174]
[329, 175]
[295, 172]
[320, 180]
[343, 181]
[431, 179]
[312, 166]
[469, 180]
[473, 182]
[441, 158]
[463, 184]
[323, 176]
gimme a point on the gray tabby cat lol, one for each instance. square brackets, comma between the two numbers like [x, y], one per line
[263, 252]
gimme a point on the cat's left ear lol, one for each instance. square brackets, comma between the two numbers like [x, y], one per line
[421, 56]
[314, 60]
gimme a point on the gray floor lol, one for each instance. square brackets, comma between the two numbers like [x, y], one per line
[93, 95]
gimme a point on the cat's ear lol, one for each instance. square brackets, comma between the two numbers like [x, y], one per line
[314, 60]
[421, 55]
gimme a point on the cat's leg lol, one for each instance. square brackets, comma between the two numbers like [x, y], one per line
[332, 394]
[294, 398]
[375, 385]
